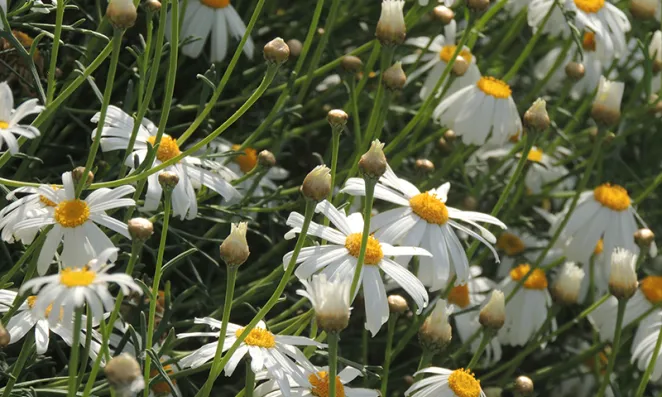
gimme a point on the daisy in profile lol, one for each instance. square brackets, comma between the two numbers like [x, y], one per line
[10, 117]
[215, 18]
[439, 54]
[277, 354]
[191, 170]
[446, 383]
[424, 220]
[23, 208]
[526, 312]
[60, 294]
[330, 300]
[481, 113]
[339, 259]
[643, 347]
[76, 223]
[318, 385]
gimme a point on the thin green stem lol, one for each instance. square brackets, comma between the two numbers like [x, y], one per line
[23, 355]
[426, 359]
[332, 340]
[651, 366]
[75, 349]
[614, 348]
[487, 338]
[367, 211]
[57, 33]
[390, 332]
[250, 379]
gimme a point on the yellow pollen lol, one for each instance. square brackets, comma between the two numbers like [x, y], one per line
[463, 383]
[535, 155]
[430, 208]
[32, 300]
[4, 125]
[162, 387]
[168, 148]
[373, 252]
[45, 201]
[651, 287]
[589, 41]
[614, 197]
[494, 87]
[319, 383]
[590, 6]
[599, 247]
[216, 3]
[510, 244]
[459, 296]
[447, 52]
[77, 277]
[258, 337]
[246, 160]
[537, 279]
[72, 213]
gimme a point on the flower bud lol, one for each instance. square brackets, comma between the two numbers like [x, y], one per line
[470, 203]
[330, 300]
[122, 14]
[644, 237]
[607, 103]
[397, 304]
[575, 70]
[266, 159]
[566, 286]
[140, 229]
[424, 165]
[5, 338]
[77, 175]
[523, 386]
[536, 118]
[295, 47]
[317, 184]
[276, 51]
[351, 64]
[394, 78]
[234, 249]
[655, 50]
[124, 374]
[373, 162]
[644, 9]
[337, 118]
[443, 14]
[445, 146]
[450, 136]
[460, 66]
[436, 331]
[153, 5]
[168, 180]
[478, 5]
[622, 274]
[493, 314]
[391, 29]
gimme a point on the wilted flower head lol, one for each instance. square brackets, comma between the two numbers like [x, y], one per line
[330, 300]
[124, 374]
[391, 29]
[493, 314]
[622, 274]
[121, 13]
[436, 331]
[607, 103]
[536, 118]
[373, 162]
[234, 249]
[565, 288]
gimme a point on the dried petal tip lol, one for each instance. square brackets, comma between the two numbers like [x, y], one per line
[153, 5]
[397, 304]
[523, 386]
[478, 5]
[644, 9]
[536, 118]
[140, 229]
[391, 29]
[337, 118]
[122, 14]
[565, 289]
[234, 249]
[5, 338]
[317, 184]
[394, 78]
[168, 180]
[373, 162]
[424, 165]
[644, 237]
[443, 14]
[276, 51]
[266, 159]
[295, 47]
[575, 70]
[124, 374]
[77, 175]
[493, 314]
[436, 332]
[622, 275]
[351, 64]
[606, 108]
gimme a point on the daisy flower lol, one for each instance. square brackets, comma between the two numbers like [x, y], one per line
[481, 113]
[26, 207]
[440, 51]
[191, 170]
[643, 347]
[60, 294]
[424, 220]
[75, 223]
[318, 385]
[339, 259]
[217, 18]
[330, 300]
[526, 312]
[446, 383]
[277, 354]
[10, 117]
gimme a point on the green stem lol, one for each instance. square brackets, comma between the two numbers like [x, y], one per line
[487, 337]
[23, 355]
[335, 145]
[426, 359]
[75, 349]
[392, 320]
[651, 366]
[332, 340]
[250, 379]
[57, 33]
[367, 211]
[614, 348]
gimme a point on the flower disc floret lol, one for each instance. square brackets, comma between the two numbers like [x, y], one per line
[168, 148]
[459, 296]
[463, 383]
[614, 197]
[373, 252]
[447, 52]
[535, 155]
[494, 87]
[72, 213]
[537, 279]
[246, 160]
[4, 125]
[590, 6]
[599, 247]
[651, 287]
[510, 244]
[77, 277]
[319, 383]
[258, 337]
[588, 41]
[216, 3]
[430, 208]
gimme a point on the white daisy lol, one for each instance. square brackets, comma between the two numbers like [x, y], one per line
[277, 354]
[526, 312]
[339, 259]
[521, 246]
[446, 383]
[217, 18]
[60, 294]
[330, 300]
[483, 112]
[439, 54]
[424, 220]
[24, 208]
[75, 223]
[318, 385]
[9, 118]
[643, 346]
[191, 170]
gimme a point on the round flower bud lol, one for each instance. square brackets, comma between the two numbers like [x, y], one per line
[351, 64]
[394, 78]
[445, 146]
[566, 286]
[234, 249]
[266, 159]
[391, 29]
[450, 136]
[295, 47]
[140, 229]
[478, 5]
[276, 51]
[153, 5]
[124, 374]
[470, 203]
[409, 380]
[373, 162]
[622, 275]
[523, 386]
[122, 14]
[575, 70]
[443, 14]
[424, 165]
[493, 314]
[644, 9]
[644, 237]
[337, 118]
[5, 338]
[77, 175]
[168, 180]
[436, 332]
[397, 304]
[317, 184]
[460, 66]
[536, 118]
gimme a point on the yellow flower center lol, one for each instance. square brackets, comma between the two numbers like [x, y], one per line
[216, 3]
[463, 383]
[4, 125]
[77, 277]
[45, 201]
[494, 87]
[430, 208]
[168, 148]
[537, 279]
[373, 252]
[258, 337]
[72, 213]
[510, 244]
[590, 6]
[614, 197]
[589, 41]
[535, 155]
[320, 385]
[162, 387]
[651, 287]
[246, 160]
[459, 296]
[447, 52]
[599, 247]
[32, 300]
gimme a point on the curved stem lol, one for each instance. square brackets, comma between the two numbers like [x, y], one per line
[615, 346]
[57, 33]
[487, 337]
[75, 349]
[250, 379]
[23, 355]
